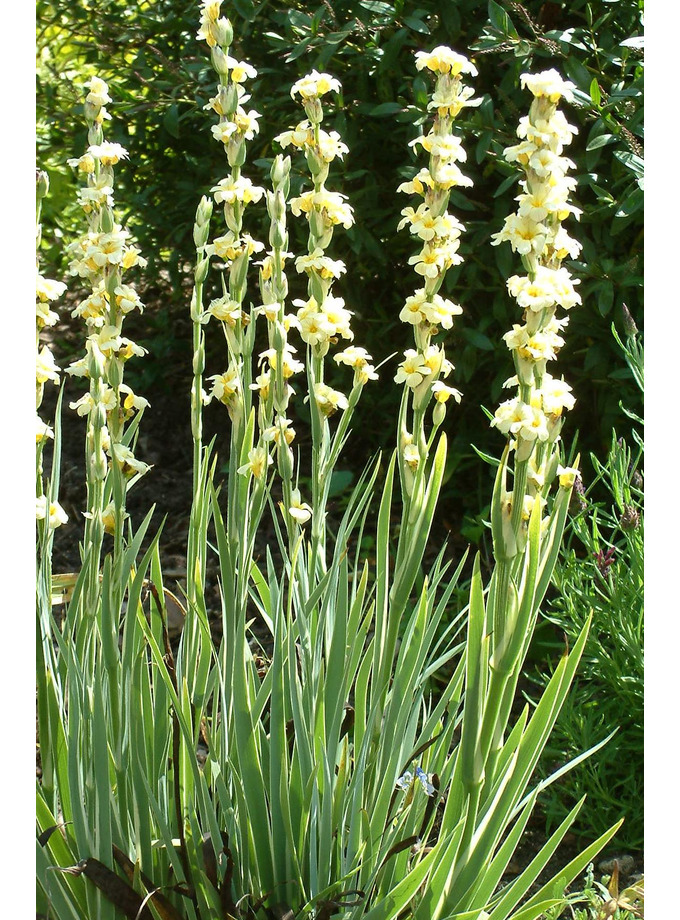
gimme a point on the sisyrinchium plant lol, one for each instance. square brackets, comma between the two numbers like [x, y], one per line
[333, 779]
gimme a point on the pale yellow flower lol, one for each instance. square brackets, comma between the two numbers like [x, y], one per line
[258, 461]
[300, 511]
[524, 235]
[442, 392]
[127, 299]
[99, 92]
[84, 164]
[317, 262]
[413, 369]
[548, 84]
[283, 427]
[567, 476]
[301, 136]
[331, 146]
[108, 153]
[444, 60]
[450, 98]
[129, 464]
[314, 85]
[289, 364]
[556, 395]
[240, 70]
[331, 205]
[230, 247]
[226, 386]
[411, 456]
[46, 367]
[42, 430]
[445, 146]
[47, 290]
[229, 190]
[55, 513]
[329, 400]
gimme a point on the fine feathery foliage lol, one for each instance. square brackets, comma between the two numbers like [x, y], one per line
[335, 777]
[601, 571]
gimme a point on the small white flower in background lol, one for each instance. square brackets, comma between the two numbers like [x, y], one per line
[55, 513]
[406, 780]
[421, 776]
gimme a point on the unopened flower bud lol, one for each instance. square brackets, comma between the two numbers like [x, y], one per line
[204, 210]
[199, 360]
[201, 272]
[318, 287]
[629, 327]
[577, 500]
[115, 373]
[230, 103]
[280, 171]
[96, 364]
[237, 278]
[219, 61]
[316, 223]
[630, 519]
[284, 456]
[277, 234]
[314, 110]
[439, 412]
[107, 219]
[42, 183]
[223, 32]
[236, 152]
[276, 204]
[278, 337]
